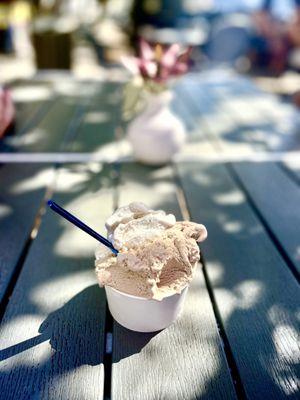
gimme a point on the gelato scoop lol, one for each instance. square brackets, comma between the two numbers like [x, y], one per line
[157, 255]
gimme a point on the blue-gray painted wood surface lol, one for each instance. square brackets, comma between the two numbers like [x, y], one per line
[101, 117]
[22, 188]
[186, 360]
[277, 199]
[52, 334]
[239, 117]
[256, 294]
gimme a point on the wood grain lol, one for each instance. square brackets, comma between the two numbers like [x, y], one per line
[52, 335]
[22, 191]
[186, 360]
[277, 198]
[256, 294]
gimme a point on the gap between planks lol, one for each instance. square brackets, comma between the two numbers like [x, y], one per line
[277, 244]
[109, 321]
[69, 135]
[235, 376]
[293, 175]
[279, 157]
[31, 237]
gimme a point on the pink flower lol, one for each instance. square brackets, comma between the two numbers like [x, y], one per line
[158, 62]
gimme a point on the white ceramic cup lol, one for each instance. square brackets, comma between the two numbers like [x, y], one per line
[144, 315]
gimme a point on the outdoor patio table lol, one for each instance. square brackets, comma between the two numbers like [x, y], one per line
[239, 174]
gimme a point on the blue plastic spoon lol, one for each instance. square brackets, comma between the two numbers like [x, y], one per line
[81, 225]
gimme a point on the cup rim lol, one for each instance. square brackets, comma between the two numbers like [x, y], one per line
[144, 298]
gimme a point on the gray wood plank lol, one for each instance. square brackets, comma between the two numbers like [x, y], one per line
[55, 128]
[98, 124]
[21, 194]
[256, 294]
[205, 106]
[48, 134]
[274, 128]
[186, 360]
[31, 100]
[27, 115]
[197, 139]
[52, 334]
[235, 113]
[25, 112]
[293, 166]
[277, 199]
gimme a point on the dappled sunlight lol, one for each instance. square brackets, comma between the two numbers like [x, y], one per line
[96, 117]
[57, 346]
[159, 190]
[203, 178]
[229, 303]
[254, 291]
[32, 93]
[5, 210]
[243, 296]
[73, 242]
[194, 148]
[34, 182]
[31, 321]
[94, 167]
[55, 324]
[249, 293]
[114, 151]
[240, 148]
[194, 332]
[230, 198]
[144, 194]
[268, 137]
[232, 226]
[87, 387]
[174, 378]
[286, 339]
[72, 180]
[239, 116]
[216, 273]
[94, 196]
[14, 337]
[243, 111]
[70, 88]
[297, 253]
[36, 135]
[64, 287]
[164, 188]
[82, 245]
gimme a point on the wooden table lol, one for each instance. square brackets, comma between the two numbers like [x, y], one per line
[238, 174]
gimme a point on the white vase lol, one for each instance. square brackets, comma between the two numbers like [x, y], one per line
[156, 134]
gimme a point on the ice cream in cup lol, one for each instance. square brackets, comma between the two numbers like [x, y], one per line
[147, 280]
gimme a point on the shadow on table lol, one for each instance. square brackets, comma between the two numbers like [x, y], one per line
[255, 293]
[74, 333]
[78, 323]
[256, 308]
[132, 342]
